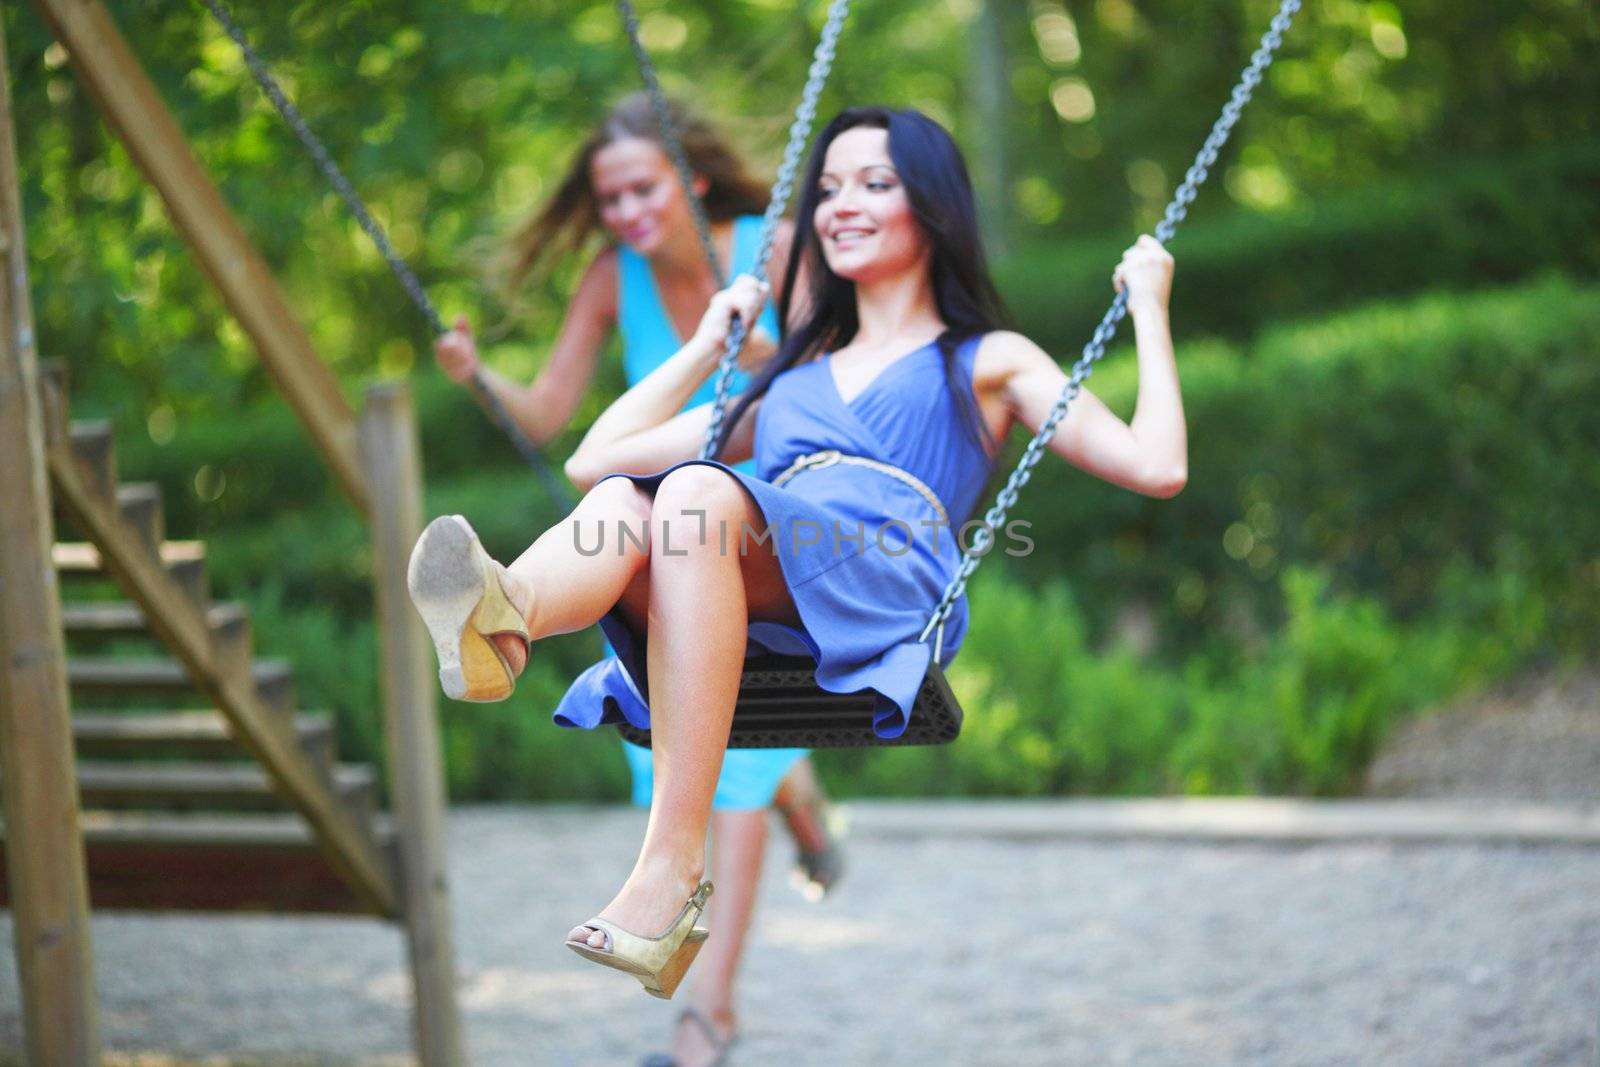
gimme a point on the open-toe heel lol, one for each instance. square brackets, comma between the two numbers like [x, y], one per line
[721, 1044]
[456, 588]
[658, 962]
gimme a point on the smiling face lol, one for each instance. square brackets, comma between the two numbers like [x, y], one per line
[864, 219]
[637, 193]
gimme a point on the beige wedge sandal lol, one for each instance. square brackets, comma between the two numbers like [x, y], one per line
[658, 962]
[456, 588]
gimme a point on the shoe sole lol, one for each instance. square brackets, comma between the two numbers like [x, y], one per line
[666, 983]
[448, 583]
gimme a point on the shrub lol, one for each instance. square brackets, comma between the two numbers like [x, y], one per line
[1303, 712]
[1389, 447]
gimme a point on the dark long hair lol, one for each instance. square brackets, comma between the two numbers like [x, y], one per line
[936, 183]
[571, 215]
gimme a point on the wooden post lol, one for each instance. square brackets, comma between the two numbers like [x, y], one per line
[44, 849]
[392, 456]
[107, 67]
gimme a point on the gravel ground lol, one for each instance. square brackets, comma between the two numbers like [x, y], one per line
[960, 950]
[936, 950]
[1537, 738]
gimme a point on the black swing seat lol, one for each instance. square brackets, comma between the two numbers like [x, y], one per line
[781, 706]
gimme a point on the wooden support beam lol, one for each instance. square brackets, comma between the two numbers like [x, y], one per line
[119, 86]
[411, 724]
[45, 861]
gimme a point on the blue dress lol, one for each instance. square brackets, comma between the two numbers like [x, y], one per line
[749, 777]
[863, 589]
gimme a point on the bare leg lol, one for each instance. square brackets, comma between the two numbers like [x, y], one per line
[798, 799]
[738, 841]
[580, 567]
[700, 598]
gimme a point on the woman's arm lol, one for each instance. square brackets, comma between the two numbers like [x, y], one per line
[644, 430]
[543, 408]
[1149, 453]
[648, 451]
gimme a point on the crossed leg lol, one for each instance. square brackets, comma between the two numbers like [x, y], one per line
[692, 590]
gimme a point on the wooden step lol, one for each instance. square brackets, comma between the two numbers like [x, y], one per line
[80, 557]
[119, 618]
[185, 561]
[94, 445]
[156, 862]
[190, 733]
[207, 787]
[108, 619]
[231, 639]
[90, 621]
[164, 677]
[140, 504]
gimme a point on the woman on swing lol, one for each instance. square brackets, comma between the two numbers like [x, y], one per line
[895, 360]
[651, 285]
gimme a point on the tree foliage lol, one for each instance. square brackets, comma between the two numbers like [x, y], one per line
[451, 119]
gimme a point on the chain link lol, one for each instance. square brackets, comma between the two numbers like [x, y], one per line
[799, 132]
[557, 488]
[995, 517]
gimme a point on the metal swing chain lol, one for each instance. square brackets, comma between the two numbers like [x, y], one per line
[995, 518]
[558, 489]
[799, 132]
[669, 135]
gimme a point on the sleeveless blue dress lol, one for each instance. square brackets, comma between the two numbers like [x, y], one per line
[864, 554]
[749, 777]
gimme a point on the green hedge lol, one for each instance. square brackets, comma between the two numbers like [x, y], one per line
[1386, 446]
[1051, 711]
[1486, 223]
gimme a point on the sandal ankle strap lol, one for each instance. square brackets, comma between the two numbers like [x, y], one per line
[719, 1043]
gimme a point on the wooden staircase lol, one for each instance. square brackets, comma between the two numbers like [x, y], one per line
[202, 786]
[175, 822]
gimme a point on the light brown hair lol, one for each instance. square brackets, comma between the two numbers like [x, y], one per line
[571, 216]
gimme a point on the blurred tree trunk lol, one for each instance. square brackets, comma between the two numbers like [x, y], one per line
[991, 91]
